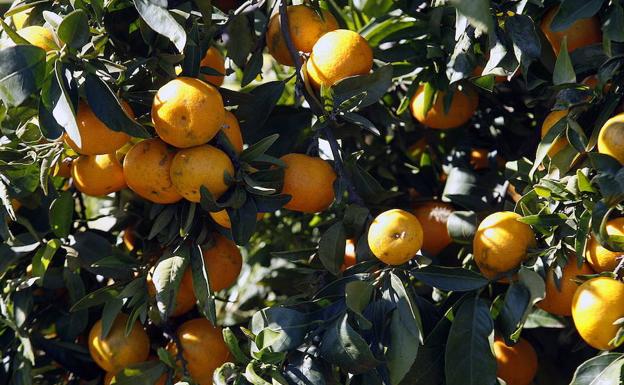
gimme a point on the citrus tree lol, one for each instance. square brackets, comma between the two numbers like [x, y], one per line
[358, 192]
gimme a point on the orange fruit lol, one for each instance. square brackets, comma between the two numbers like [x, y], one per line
[223, 262]
[232, 131]
[185, 298]
[600, 258]
[214, 60]
[433, 216]
[63, 168]
[581, 33]
[98, 175]
[199, 166]
[222, 218]
[203, 349]
[517, 364]
[596, 305]
[558, 300]
[611, 138]
[187, 112]
[501, 242]
[95, 137]
[349, 257]
[147, 170]
[395, 236]
[305, 25]
[337, 55]
[463, 106]
[309, 181]
[116, 350]
[551, 119]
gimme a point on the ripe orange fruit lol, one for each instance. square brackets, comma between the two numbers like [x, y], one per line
[63, 168]
[199, 166]
[433, 216]
[203, 349]
[309, 181]
[232, 130]
[222, 218]
[223, 262]
[117, 350]
[596, 305]
[611, 138]
[39, 37]
[558, 300]
[185, 298]
[600, 258]
[213, 59]
[146, 169]
[581, 33]
[395, 236]
[187, 112]
[551, 119]
[463, 105]
[349, 257]
[95, 137]
[337, 55]
[501, 242]
[517, 364]
[305, 25]
[98, 175]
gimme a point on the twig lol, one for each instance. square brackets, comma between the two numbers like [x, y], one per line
[316, 107]
[619, 269]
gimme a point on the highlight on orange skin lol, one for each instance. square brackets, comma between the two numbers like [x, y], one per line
[349, 257]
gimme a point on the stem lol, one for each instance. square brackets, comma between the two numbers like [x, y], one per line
[619, 269]
[316, 107]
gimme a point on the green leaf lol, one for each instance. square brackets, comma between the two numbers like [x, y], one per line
[109, 314]
[374, 85]
[239, 48]
[564, 70]
[201, 285]
[22, 71]
[462, 225]
[541, 319]
[95, 298]
[106, 107]
[243, 221]
[360, 121]
[64, 108]
[292, 326]
[526, 43]
[332, 248]
[603, 369]
[259, 148]
[572, 10]
[253, 68]
[74, 29]
[144, 373]
[255, 113]
[42, 258]
[612, 26]
[469, 359]
[61, 214]
[232, 343]
[167, 276]
[477, 12]
[345, 348]
[450, 278]
[156, 15]
[357, 297]
[544, 219]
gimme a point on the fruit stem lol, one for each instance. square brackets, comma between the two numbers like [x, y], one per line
[619, 269]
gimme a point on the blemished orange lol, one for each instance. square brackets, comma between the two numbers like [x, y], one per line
[395, 236]
[551, 119]
[501, 242]
[214, 60]
[187, 112]
[462, 107]
[305, 25]
[39, 37]
[147, 170]
[350, 256]
[337, 55]
[199, 166]
[185, 298]
[558, 300]
[600, 258]
[223, 262]
[222, 218]
[309, 181]
[95, 137]
[203, 349]
[232, 131]
[433, 216]
[517, 364]
[581, 33]
[117, 350]
[596, 305]
[611, 138]
[98, 175]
